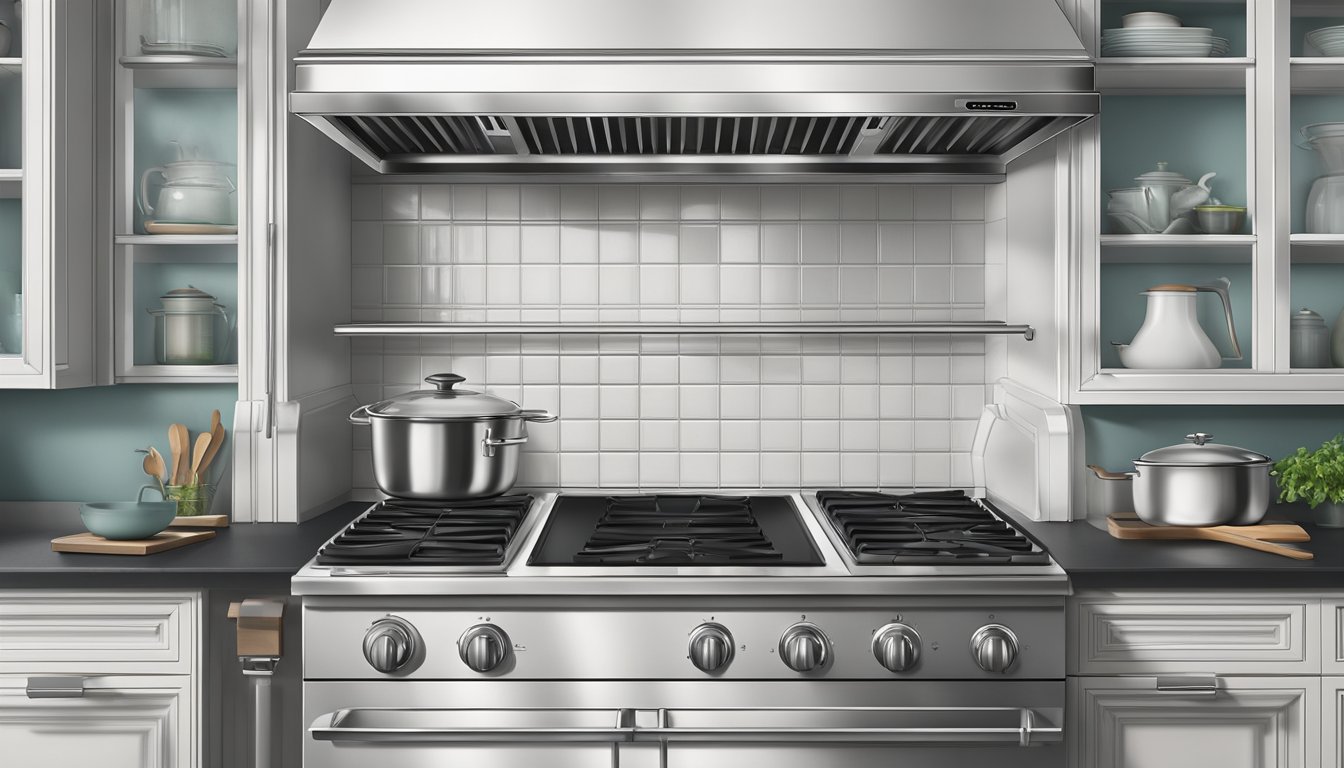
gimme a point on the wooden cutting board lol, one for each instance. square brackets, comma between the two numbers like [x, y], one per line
[88, 543]
[200, 521]
[1262, 537]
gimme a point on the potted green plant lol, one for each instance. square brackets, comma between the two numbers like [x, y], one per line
[1316, 477]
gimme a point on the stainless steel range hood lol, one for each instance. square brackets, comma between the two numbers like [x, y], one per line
[784, 88]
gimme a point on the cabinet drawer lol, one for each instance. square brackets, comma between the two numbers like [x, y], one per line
[1120, 636]
[72, 632]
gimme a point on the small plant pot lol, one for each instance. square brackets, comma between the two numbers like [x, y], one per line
[1330, 515]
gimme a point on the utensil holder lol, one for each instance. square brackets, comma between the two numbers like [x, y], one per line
[192, 500]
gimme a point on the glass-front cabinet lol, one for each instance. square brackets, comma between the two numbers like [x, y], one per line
[48, 192]
[176, 200]
[1210, 218]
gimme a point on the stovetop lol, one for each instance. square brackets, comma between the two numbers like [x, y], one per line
[758, 542]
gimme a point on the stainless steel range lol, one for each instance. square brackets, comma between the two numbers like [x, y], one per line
[591, 629]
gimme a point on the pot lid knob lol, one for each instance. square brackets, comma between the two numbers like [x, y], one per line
[444, 382]
[1199, 438]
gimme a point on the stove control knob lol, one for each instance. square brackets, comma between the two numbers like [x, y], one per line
[710, 647]
[897, 647]
[803, 647]
[483, 647]
[389, 644]
[994, 647]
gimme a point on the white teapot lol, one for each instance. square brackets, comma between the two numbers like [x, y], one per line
[1171, 336]
[1171, 198]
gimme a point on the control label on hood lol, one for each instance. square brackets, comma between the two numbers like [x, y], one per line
[989, 106]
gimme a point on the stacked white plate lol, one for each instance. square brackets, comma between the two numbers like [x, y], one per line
[1329, 41]
[1196, 42]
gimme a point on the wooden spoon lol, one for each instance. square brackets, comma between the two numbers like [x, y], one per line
[216, 442]
[197, 455]
[153, 465]
[178, 440]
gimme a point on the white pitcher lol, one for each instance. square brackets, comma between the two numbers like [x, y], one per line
[1171, 336]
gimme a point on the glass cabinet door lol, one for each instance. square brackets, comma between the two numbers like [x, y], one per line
[11, 188]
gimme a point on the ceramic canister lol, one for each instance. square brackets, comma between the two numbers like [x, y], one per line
[1308, 340]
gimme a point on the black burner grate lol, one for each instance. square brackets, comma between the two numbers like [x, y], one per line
[928, 528]
[400, 532]
[646, 530]
[674, 530]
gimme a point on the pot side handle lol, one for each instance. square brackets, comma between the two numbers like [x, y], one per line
[490, 443]
[541, 417]
[360, 416]
[1108, 475]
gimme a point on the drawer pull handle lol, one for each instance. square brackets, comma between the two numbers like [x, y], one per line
[55, 687]
[1189, 685]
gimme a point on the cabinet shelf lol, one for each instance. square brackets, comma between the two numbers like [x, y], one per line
[1133, 76]
[11, 183]
[11, 66]
[179, 374]
[1177, 241]
[182, 71]
[1228, 254]
[176, 239]
[686, 329]
[1316, 74]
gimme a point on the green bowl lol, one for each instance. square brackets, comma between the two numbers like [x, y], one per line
[127, 520]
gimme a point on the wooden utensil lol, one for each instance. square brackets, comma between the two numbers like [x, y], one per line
[216, 442]
[178, 440]
[1260, 537]
[197, 455]
[153, 465]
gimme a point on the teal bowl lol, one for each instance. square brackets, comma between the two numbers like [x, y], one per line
[126, 520]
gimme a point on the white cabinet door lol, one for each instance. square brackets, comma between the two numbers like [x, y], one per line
[1332, 721]
[1127, 722]
[118, 722]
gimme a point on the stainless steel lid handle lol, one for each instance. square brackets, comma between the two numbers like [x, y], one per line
[1199, 438]
[490, 443]
[444, 381]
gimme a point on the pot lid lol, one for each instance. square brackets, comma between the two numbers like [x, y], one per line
[190, 292]
[1172, 288]
[1163, 176]
[1199, 452]
[444, 402]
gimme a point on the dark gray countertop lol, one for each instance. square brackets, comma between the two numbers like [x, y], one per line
[249, 555]
[1093, 558]
[244, 555]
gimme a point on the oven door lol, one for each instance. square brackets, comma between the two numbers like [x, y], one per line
[517, 724]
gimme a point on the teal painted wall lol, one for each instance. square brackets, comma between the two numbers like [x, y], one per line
[79, 444]
[1117, 434]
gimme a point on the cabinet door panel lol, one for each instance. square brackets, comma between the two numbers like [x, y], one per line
[1251, 723]
[119, 722]
[1332, 721]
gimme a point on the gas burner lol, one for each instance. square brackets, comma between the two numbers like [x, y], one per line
[674, 530]
[928, 528]
[401, 532]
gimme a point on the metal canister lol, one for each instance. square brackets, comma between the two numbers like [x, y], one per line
[1308, 340]
[184, 329]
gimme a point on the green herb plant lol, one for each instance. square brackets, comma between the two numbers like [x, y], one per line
[1312, 476]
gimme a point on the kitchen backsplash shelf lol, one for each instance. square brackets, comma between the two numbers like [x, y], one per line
[686, 329]
[1130, 76]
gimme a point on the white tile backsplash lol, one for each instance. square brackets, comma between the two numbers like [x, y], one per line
[739, 412]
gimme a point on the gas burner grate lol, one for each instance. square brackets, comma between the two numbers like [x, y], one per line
[401, 532]
[667, 530]
[927, 528]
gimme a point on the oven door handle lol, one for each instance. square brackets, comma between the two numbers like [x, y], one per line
[480, 726]
[869, 725]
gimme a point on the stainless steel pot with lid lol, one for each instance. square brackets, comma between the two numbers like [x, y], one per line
[446, 443]
[1201, 483]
